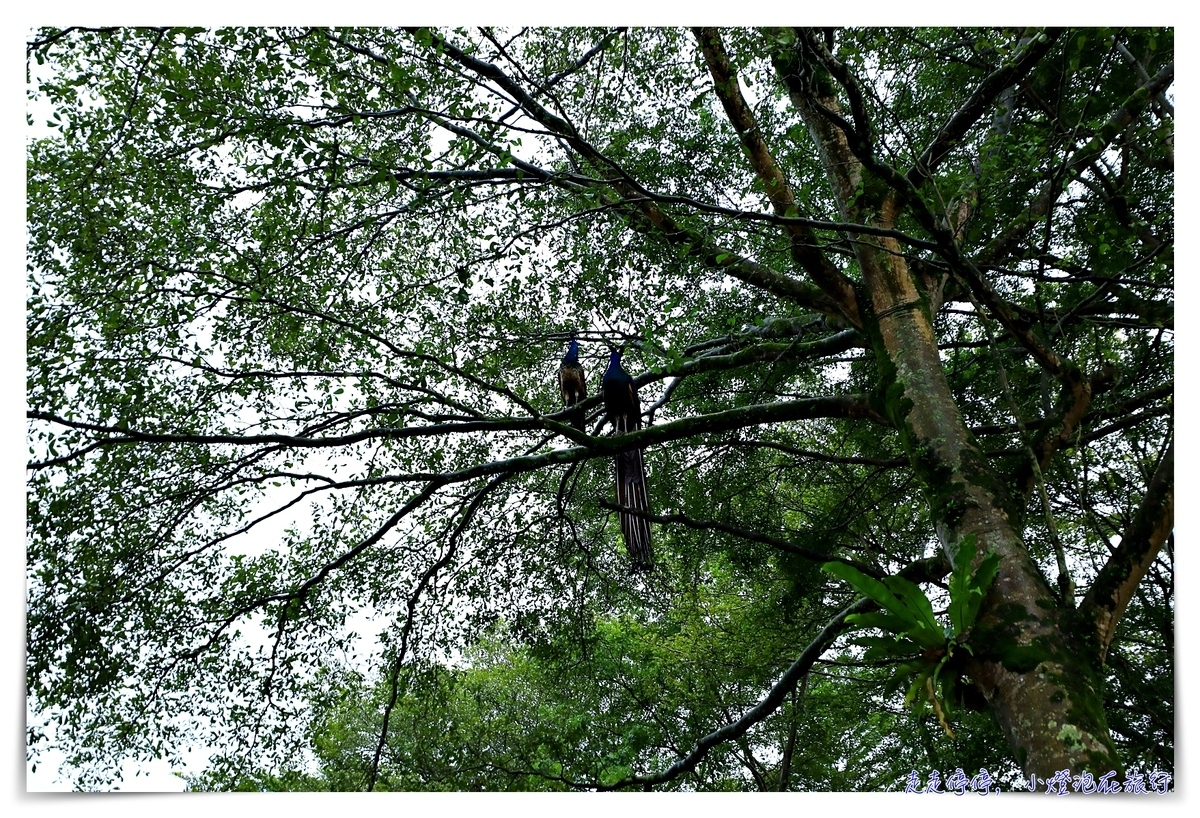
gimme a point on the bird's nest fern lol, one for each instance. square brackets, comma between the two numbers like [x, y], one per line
[920, 646]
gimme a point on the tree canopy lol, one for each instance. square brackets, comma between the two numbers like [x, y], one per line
[301, 488]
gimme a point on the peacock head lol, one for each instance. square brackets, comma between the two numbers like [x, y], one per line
[615, 371]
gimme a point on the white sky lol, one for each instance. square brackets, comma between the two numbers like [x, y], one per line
[13, 450]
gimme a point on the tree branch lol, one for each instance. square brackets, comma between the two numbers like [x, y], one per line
[746, 534]
[1132, 106]
[1106, 600]
[627, 190]
[779, 691]
[411, 604]
[978, 104]
[804, 242]
[924, 570]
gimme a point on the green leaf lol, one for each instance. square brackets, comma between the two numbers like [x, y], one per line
[901, 675]
[871, 588]
[875, 619]
[926, 630]
[960, 584]
[916, 696]
[981, 581]
[889, 649]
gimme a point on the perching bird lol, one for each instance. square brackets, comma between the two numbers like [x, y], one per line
[573, 384]
[625, 414]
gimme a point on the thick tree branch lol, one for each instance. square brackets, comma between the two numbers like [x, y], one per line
[783, 201]
[1106, 600]
[979, 103]
[919, 571]
[779, 691]
[813, 102]
[117, 436]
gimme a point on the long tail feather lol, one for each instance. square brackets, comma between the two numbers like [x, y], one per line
[631, 494]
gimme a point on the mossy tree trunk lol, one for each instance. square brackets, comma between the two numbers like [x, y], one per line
[1039, 681]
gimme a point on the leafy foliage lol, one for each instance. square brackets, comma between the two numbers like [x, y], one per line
[298, 487]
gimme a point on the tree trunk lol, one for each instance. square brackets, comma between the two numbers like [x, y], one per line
[1040, 682]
